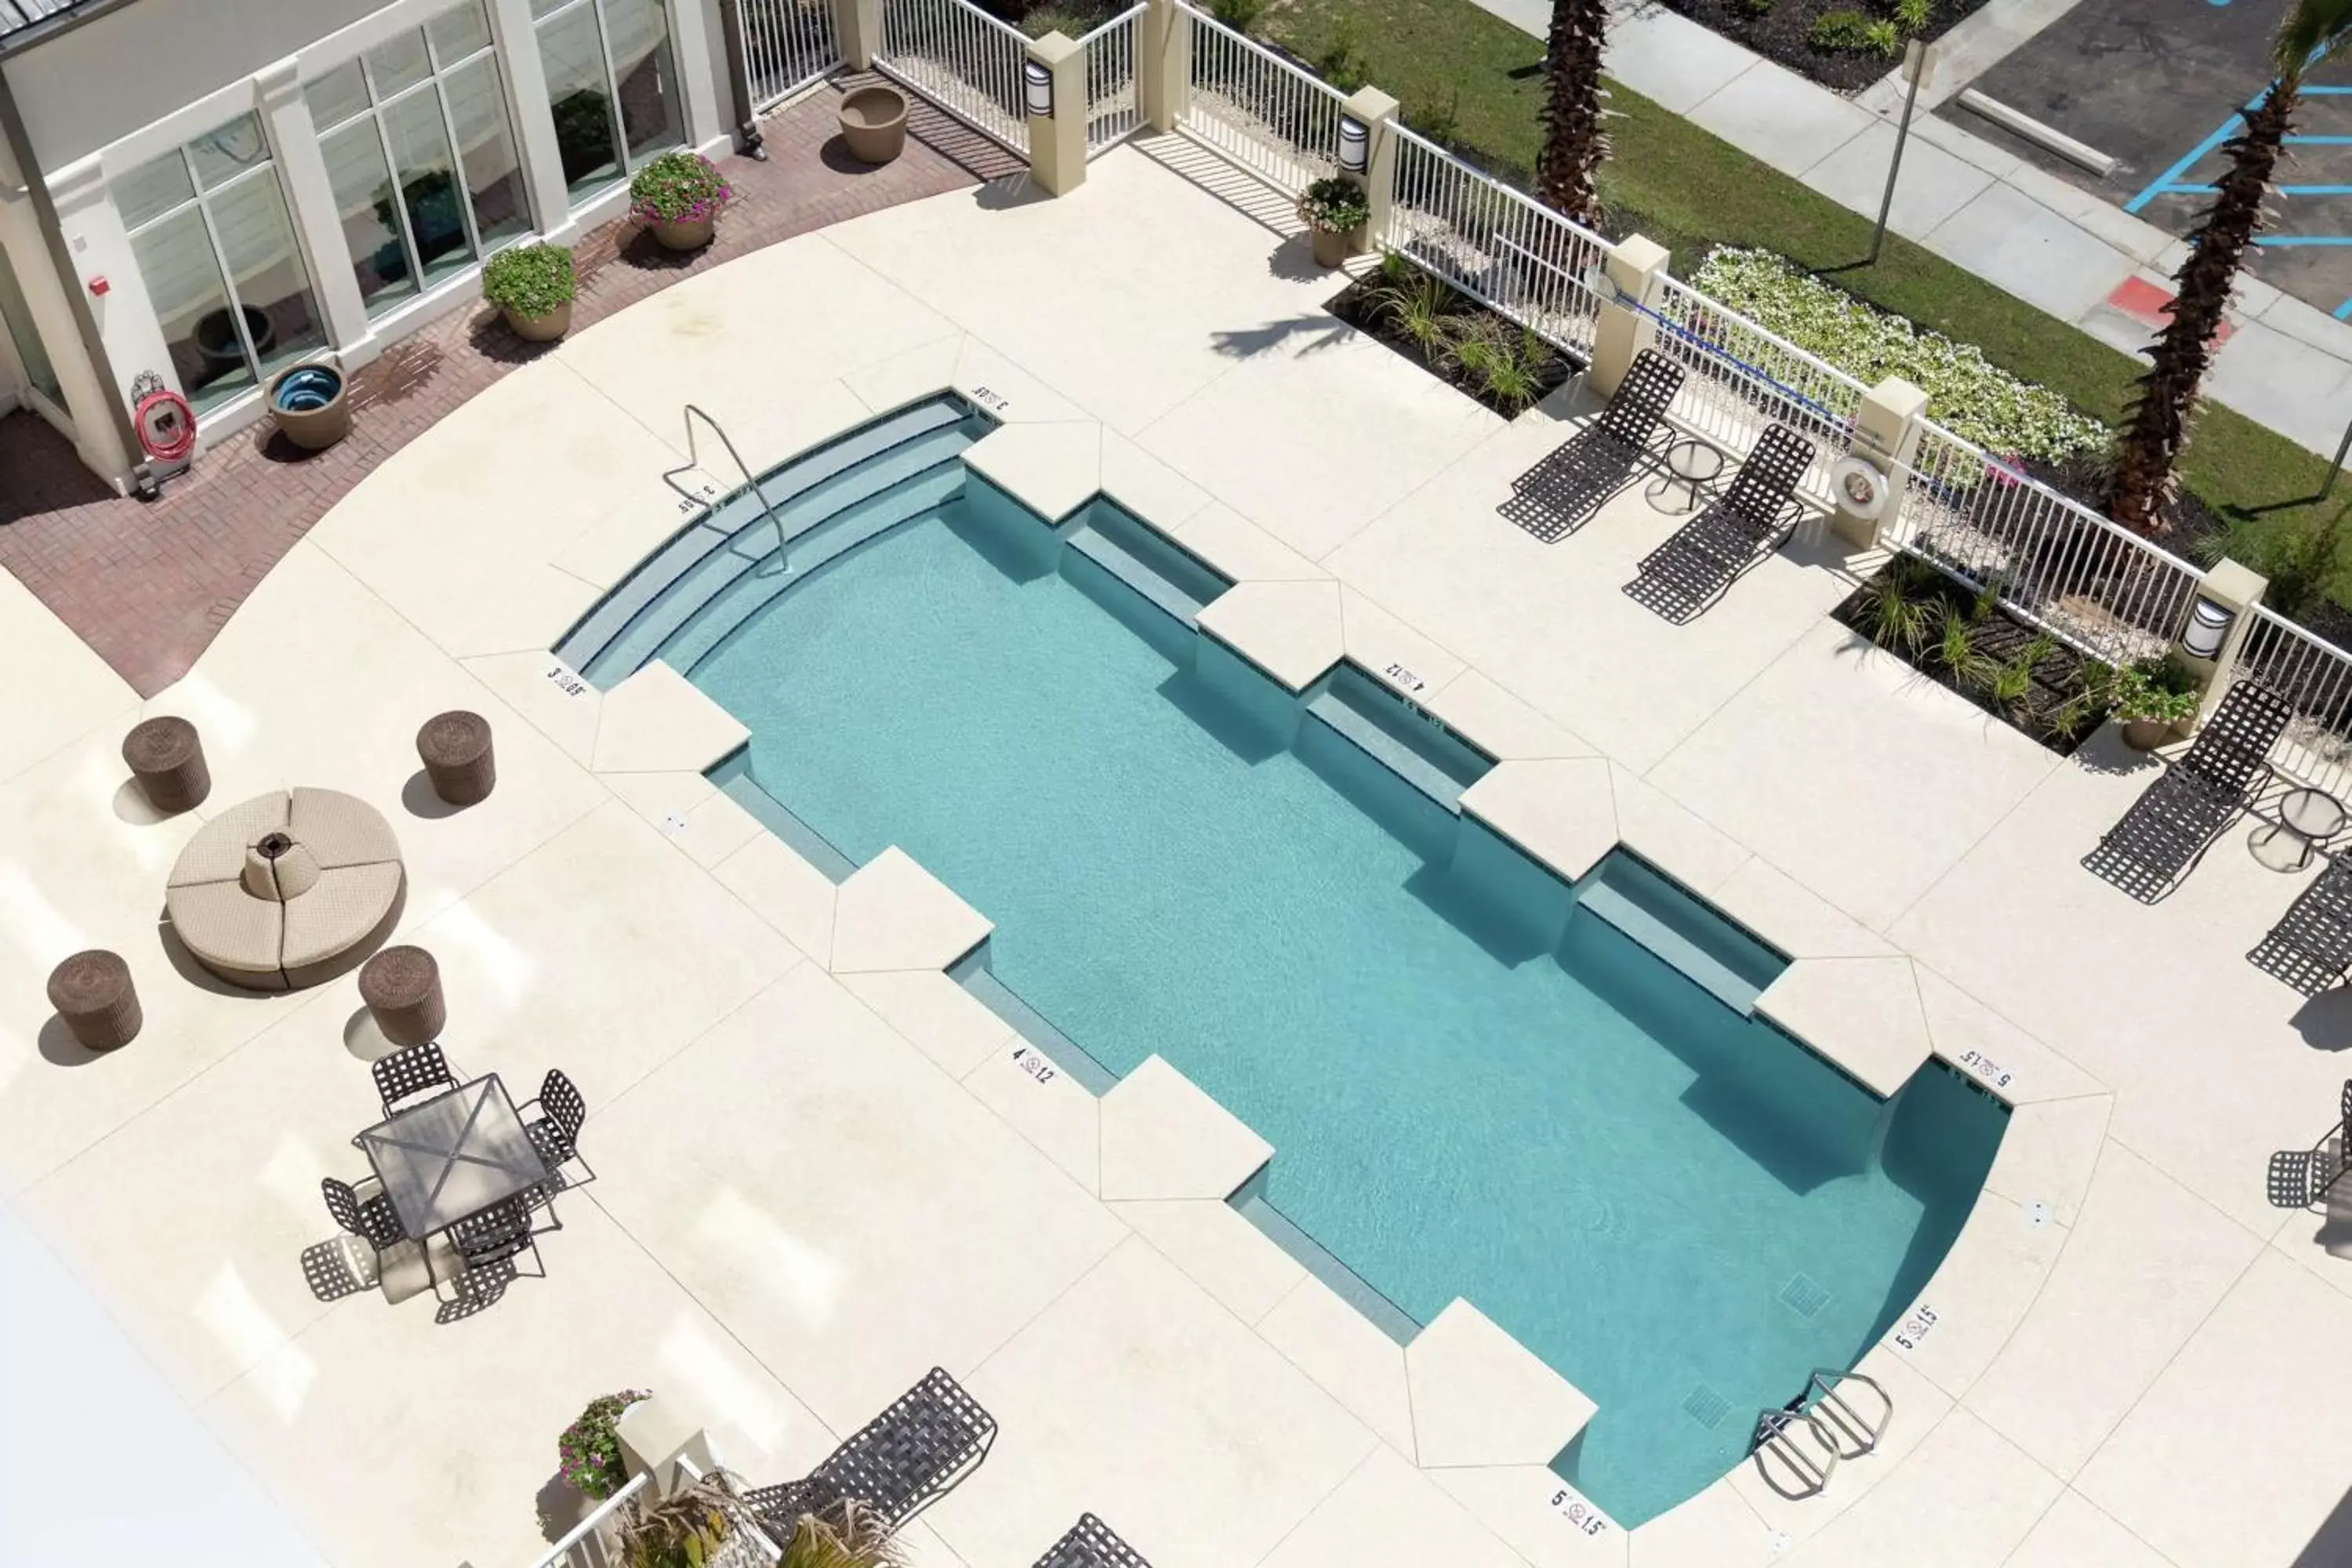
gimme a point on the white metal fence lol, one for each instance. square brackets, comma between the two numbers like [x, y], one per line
[787, 44]
[1275, 120]
[2315, 679]
[1113, 110]
[1493, 243]
[961, 58]
[2106, 590]
[1739, 378]
[590, 1543]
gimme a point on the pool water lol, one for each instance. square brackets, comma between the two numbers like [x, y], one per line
[1475, 1086]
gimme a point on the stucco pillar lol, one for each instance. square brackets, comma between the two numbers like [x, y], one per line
[700, 57]
[526, 82]
[123, 315]
[1376, 112]
[310, 198]
[89, 400]
[1058, 141]
[1887, 431]
[1637, 268]
[858, 29]
[1163, 73]
[2234, 590]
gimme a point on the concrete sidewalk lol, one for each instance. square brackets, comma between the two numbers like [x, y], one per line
[2287, 365]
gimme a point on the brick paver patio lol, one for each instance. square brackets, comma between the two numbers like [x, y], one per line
[149, 584]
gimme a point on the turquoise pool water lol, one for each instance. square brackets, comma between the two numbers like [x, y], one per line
[1475, 1087]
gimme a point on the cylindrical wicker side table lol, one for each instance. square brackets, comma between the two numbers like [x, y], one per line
[402, 988]
[168, 760]
[456, 750]
[92, 992]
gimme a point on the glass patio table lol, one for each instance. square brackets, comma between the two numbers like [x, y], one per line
[452, 1156]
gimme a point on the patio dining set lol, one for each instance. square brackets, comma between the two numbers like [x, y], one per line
[461, 1173]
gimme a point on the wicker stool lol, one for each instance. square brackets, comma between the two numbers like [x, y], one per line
[402, 988]
[92, 992]
[168, 760]
[455, 751]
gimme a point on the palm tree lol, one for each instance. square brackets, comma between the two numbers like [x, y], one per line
[2150, 444]
[1574, 143]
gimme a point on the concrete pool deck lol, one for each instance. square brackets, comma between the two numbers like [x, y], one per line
[822, 1171]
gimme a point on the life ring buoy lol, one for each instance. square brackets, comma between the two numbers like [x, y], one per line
[1859, 487]
[166, 425]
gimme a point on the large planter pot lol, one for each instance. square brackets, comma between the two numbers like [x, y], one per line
[689, 236]
[873, 123]
[1332, 246]
[308, 404]
[543, 328]
[2146, 734]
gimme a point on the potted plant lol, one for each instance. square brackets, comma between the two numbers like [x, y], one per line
[677, 195]
[1334, 213]
[308, 404]
[698, 1525]
[590, 1449]
[2151, 698]
[533, 287]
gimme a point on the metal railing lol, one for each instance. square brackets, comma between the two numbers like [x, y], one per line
[1114, 112]
[1739, 378]
[589, 1544]
[2086, 581]
[2315, 677]
[787, 44]
[962, 59]
[1493, 243]
[1278, 121]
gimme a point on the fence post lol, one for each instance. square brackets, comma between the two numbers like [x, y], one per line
[1887, 431]
[654, 1435]
[1376, 112]
[1636, 265]
[1163, 76]
[857, 28]
[2231, 590]
[1058, 140]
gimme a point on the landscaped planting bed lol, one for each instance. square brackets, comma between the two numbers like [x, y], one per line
[1844, 44]
[1479, 353]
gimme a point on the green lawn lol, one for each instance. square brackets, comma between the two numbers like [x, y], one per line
[1688, 189]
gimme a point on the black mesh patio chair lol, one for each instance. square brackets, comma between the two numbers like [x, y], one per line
[1561, 493]
[492, 1240]
[372, 1219]
[409, 1072]
[1091, 1543]
[2175, 819]
[555, 1134]
[2310, 946]
[899, 1464]
[2300, 1178]
[1701, 559]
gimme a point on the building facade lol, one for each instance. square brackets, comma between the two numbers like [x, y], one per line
[197, 194]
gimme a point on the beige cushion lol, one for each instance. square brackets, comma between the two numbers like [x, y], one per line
[231, 932]
[217, 853]
[337, 913]
[341, 829]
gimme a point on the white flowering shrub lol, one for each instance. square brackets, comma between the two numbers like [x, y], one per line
[1967, 394]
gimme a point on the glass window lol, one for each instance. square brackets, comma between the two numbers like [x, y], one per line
[485, 150]
[459, 34]
[337, 96]
[428, 184]
[221, 268]
[362, 184]
[613, 84]
[398, 63]
[16, 316]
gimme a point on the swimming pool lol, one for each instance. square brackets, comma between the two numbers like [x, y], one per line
[1476, 1082]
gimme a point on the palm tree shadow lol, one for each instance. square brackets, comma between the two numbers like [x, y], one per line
[1313, 333]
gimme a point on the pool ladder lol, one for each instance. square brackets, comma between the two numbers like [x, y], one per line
[693, 461]
[1797, 1447]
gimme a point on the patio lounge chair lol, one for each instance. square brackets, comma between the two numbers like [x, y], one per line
[407, 1073]
[1700, 559]
[1561, 494]
[2310, 946]
[2302, 1177]
[1091, 1543]
[555, 1136]
[2175, 819]
[900, 1463]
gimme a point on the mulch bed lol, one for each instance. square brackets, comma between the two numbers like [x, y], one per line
[2000, 639]
[1357, 305]
[1780, 33]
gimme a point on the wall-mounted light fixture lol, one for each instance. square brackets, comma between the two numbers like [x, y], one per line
[2208, 629]
[1355, 145]
[1037, 89]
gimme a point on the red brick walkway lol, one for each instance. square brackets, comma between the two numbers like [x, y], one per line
[149, 584]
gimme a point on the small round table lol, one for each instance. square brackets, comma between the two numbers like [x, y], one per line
[2304, 815]
[1692, 464]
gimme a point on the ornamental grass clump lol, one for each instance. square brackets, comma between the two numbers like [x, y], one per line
[531, 280]
[1967, 394]
[678, 187]
[590, 1448]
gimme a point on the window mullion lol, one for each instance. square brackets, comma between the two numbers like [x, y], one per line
[612, 104]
